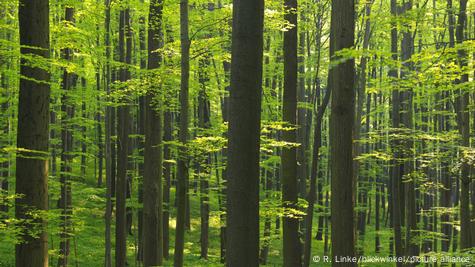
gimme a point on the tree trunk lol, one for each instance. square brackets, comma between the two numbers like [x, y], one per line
[122, 146]
[83, 131]
[395, 171]
[67, 110]
[183, 162]
[108, 143]
[204, 172]
[167, 171]
[152, 183]
[141, 132]
[406, 104]
[242, 237]
[342, 77]
[291, 240]
[222, 188]
[167, 168]
[463, 121]
[32, 134]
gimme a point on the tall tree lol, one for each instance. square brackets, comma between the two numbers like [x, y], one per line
[342, 80]
[406, 98]
[396, 179]
[204, 122]
[167, 166]
[67, 109]
[108, 142]
[123, 120]
[182, 164]
[33, 134]
[291, 242]
[152, 183]
[141, 131]
[242, 237]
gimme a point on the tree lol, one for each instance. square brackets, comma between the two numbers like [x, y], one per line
[291, 241]
[65, 201]
[406, 98]
[395, 173]
[242, 236]
[108, 142]
[204, 122]
[152, 220]
[342, 81]
[182, 171]
[123, 114]
[33, 134]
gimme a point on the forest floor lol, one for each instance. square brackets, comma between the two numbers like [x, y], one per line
[87, 245]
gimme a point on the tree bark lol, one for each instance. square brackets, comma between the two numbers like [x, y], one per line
[463, 121]
[204, 172]
[291, 241]
[395, 171]
[153, 208]
[67, 110]
[341, 124]
[108, 143]
[183, 162]
[32, 133]
[123, 145]
[167, 168]
[242, 237]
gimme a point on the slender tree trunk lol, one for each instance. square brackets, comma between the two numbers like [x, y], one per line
[264, 252]
[167, 167]
[204, 172]
[317, 85]
[291, 242]
[242, 237]
[378, 183]
[395, 165]
[5, 132]
[123, 146]
[342, 79]
[67, 110]
[152, 212]
[100, 143]
[141, 132]
[83, 131]
[32, 134]
[6, 126]
[167, 171]
[412, 248]
[108, 143]
[183, 162]
[222, 187]
[301, 119]
[463, 121]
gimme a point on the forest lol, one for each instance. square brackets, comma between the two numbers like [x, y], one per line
[237, 133]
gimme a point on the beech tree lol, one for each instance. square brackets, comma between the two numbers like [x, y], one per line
[152, 181]
[342, 81]
[242, 237]
[33, 134]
